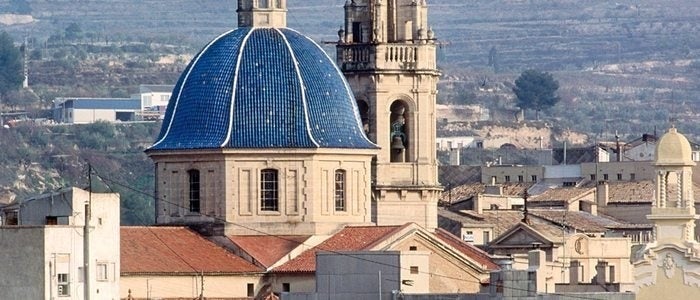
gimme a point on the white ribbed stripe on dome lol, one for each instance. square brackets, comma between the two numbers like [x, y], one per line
[234, 86]
[303, 89]
[358, 120]
[184, 81]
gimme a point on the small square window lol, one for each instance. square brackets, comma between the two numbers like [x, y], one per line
[605, 177]
[632, 176]
[414, 269]
[507, 178]
[63, 285]
[101, 272]
[592, 177]
[286, 287]
[534, 178]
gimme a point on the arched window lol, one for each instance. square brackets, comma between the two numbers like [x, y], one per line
[399, 141]
[340, 190]
[194, 190]
[269, 195]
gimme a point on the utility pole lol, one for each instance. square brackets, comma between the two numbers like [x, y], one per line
[380, 285]
[86, 237]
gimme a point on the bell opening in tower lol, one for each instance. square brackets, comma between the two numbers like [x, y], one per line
[398, 131]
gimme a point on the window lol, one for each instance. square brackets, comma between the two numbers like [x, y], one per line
[262, 4]
[251, 290]
[507, 178]
[286, 287]
[592, 177]
[569, 183]
[632, 177]
[340, 190]
[468, 236]
[534, 178]
[414, 269]
[194, 190]
[619, 176]
[605, 177]
[494, 179]
[412, 248]
[11, 218]
[487, 237]
[356, 35]
[520, 178]
[51, 220]
[101, 272]
[63, 284]
[268, 190]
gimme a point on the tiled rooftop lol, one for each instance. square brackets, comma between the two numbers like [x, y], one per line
[153, 250]
[268, 249]
[578, 220]
[467, 249]
[348, 239]
[560, 194]
[466, 191]
[631, 191]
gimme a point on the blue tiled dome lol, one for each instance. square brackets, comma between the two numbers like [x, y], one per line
[261, 88]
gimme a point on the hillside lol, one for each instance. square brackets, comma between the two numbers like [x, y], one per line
[45, 158]
[626, 66]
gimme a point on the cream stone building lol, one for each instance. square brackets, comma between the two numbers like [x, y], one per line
[670, 264]
[45, 251]
[271, 153]
[387, 52]
[277, 147]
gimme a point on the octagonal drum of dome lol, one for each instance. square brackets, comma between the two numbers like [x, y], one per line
[261, 88]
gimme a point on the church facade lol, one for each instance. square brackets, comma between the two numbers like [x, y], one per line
[275, 152]
[265, 132]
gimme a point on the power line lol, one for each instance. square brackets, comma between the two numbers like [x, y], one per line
[310, 246]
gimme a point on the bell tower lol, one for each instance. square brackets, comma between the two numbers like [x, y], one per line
[673, 211]
[388, 55]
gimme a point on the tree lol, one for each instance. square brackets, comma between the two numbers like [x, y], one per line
[11, 73]
[536, 90]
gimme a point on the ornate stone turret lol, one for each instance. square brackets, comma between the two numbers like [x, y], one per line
[387, 53]
[262, 13]
[673, 213]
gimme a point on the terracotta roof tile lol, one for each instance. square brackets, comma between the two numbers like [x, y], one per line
[466, 191]
[501, 220]
[469, 250]
[462, 192]
[347, 239]
[560, 194]
[152, 250]
[631, 192]
[578, 220]
[268, 249]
